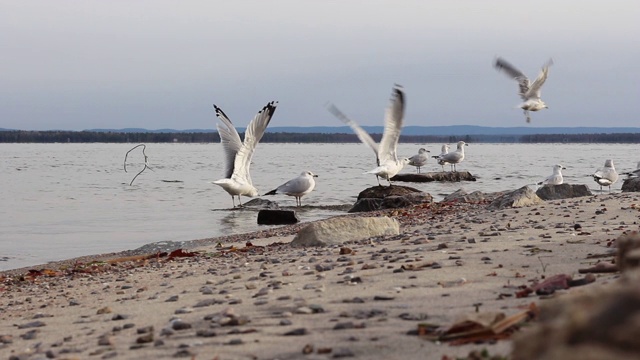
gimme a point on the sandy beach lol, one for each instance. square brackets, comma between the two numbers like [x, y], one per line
[255, 297]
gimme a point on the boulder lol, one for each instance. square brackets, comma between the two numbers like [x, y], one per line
[336, 231]
[517, 198]
[442, 176]
[461, 195]
[381, 192]
[261, 204]
[277, 217]
[562, 191]
[389, 197]
[631, 185]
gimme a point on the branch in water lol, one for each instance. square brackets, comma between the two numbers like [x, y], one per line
[146, 161]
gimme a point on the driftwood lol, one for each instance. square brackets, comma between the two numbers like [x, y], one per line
[443, 176]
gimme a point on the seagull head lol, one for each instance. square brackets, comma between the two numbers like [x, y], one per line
[309, 173]
[252, 193]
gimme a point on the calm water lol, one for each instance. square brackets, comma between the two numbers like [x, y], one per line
[64, 200]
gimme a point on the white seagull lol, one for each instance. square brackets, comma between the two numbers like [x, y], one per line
[455, 157]
[607, 175]
[634, 173]
[298, 187]
[556, 177]
[386, 151]
[238, 154]
[444, 151]
[419, 159]
[530, 93]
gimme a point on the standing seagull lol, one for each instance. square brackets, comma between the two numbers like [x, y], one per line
[556, 177]
[455, 157]
[420, 159]
[607, 175]
[444, 151]
[530, 93]
[238, 154]
[298, 187]
[386, 152]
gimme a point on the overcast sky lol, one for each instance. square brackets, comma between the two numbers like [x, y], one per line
[155, 64]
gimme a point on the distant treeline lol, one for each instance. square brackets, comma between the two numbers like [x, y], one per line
[283, 137]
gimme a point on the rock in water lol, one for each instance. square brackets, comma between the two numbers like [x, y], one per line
[631, 185]
[338, 230]
[443, 176]
[562, 191]
[389, 197]
[277, 217]
[518, 198]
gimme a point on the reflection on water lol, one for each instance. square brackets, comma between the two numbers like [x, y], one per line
[65, 200]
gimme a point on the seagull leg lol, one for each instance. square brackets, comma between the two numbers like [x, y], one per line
[526, 113]
[239, 202]
[233, 200]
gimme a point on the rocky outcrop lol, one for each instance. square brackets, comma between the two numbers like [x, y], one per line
[277, 217]
[435, 176]
[562, 191]
[336, 231]
[461, 195]
[631, 185]
[518, 198]
[261, 204]
[389, 197]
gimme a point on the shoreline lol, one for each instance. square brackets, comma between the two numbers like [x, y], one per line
[274, 301]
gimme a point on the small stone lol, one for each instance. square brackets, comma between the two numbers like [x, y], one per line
[297, 332]
[32, 325]
[104, 310]
[172, 298]
[180, 325]
[144, 339]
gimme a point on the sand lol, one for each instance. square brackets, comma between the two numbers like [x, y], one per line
[360, 300]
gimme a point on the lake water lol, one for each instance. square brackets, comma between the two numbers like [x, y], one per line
[59, 201]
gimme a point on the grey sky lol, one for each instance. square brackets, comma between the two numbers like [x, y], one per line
[161, 64]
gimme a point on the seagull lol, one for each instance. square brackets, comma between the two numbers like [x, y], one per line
[556, 177]
[606, 176]
[444, 151]
[530, 93]
[455, 157]
[634, 173]
[420, 159]
[238, 154]
[386, 156]
[298, 187]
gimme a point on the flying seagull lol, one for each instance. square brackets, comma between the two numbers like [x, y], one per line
[238, 154]
[386, 151]
[444, 151]
[419, 160]
[556, 177]
[298, 187]
[530, 93]
[606, 176]
[454, 157]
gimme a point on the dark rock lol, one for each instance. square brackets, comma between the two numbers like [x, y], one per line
[562, 191]
[277, 217]
[517, 198]
[462, 196]
[367, 204]
[442, 176]
[297, 332]
[389, 197]
[631, 185]
[261, 203]
[381, 192]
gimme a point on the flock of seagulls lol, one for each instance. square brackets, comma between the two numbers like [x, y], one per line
[238, 153]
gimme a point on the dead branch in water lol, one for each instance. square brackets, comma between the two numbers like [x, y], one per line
[146, 161]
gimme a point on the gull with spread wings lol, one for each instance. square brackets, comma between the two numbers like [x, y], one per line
[238, 154]
[530, 93]
[386, 151]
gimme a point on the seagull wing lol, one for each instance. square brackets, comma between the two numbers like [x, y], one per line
[513, 72]
[534, 89]
[230, 140]
[392, 126]
[362, 134]
[252, 136]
